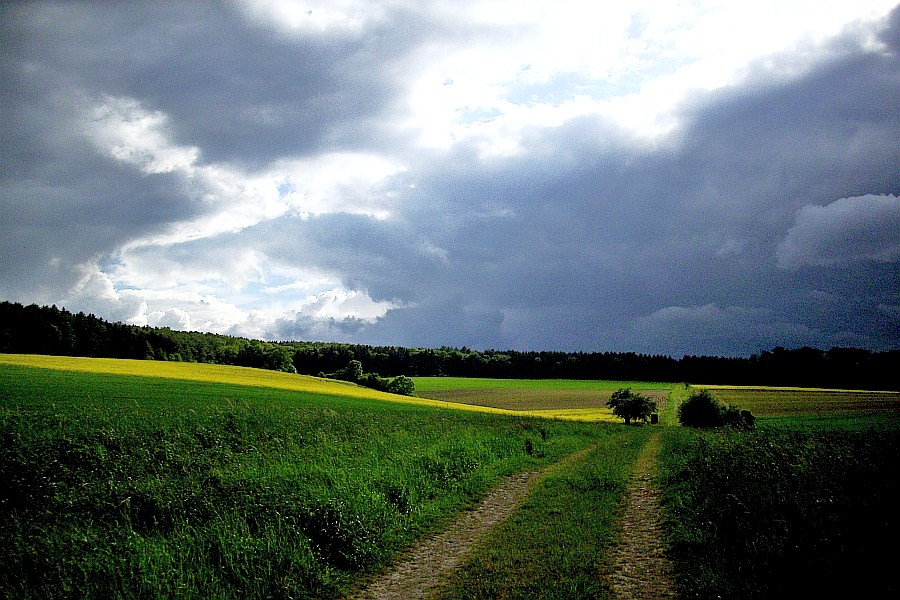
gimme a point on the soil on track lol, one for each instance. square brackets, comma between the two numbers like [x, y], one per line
[420, 573]
[637, 566]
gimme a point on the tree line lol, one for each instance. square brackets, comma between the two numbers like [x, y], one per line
[50, 330]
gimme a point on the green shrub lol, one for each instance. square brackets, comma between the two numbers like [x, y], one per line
[703, 410]
[402, 385]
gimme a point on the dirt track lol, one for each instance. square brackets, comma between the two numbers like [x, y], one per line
[637, 567]
[419, 574]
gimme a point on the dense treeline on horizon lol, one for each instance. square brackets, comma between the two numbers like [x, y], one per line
[49, 330]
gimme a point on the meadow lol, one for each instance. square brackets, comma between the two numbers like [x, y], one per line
[144, 479]
[141, 487]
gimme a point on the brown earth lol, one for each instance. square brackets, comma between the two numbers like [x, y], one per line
[536, 399]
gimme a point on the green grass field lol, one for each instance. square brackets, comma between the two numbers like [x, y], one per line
[135, 486]
[148, 479]
[804, 506]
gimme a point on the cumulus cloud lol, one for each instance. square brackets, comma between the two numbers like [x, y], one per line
[846, 231]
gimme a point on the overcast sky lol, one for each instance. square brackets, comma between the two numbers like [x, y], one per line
[691, 177]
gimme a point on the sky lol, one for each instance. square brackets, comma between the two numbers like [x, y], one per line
[652, 176]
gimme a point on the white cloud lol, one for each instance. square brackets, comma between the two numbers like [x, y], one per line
[182, 278]
[122, 128]
[341, 304]
[230, 198]
[174, 318]
[525, 64]
[304, 17]
[95, 293]
[270, 176]
[217, 289]
[849, 230]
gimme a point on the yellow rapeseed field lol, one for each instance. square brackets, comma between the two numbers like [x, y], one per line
[272, 379]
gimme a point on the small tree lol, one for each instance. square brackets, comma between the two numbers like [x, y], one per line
[630, 405]
[353, 372]
[402, 385]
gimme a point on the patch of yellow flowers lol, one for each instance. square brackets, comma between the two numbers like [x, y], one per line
[271, 379]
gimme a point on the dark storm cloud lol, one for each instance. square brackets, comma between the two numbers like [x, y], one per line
[676, 249]
[756, 223]
[234, 89]
[240, 96]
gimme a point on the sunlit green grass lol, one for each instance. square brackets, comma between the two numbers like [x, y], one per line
[131, 486]
[544, 408]
[148, 479]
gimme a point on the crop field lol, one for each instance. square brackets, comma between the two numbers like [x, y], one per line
[794, 402]
[559, 398]
[432, 384]
[122, 486]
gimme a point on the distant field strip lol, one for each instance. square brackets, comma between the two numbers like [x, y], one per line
[287, 381]
[430, 384]
[785, 402]
[565, 399]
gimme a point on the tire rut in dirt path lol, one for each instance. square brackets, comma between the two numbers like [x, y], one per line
[637, 566]
[421, 571]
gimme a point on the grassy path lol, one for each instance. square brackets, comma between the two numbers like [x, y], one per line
[420, 573]
[637, 566]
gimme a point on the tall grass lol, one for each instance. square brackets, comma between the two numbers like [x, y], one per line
[123, 486]
[796, 511]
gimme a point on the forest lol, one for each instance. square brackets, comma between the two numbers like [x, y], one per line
[50, 330]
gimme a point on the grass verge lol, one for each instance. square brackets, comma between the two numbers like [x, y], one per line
[788, 511]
